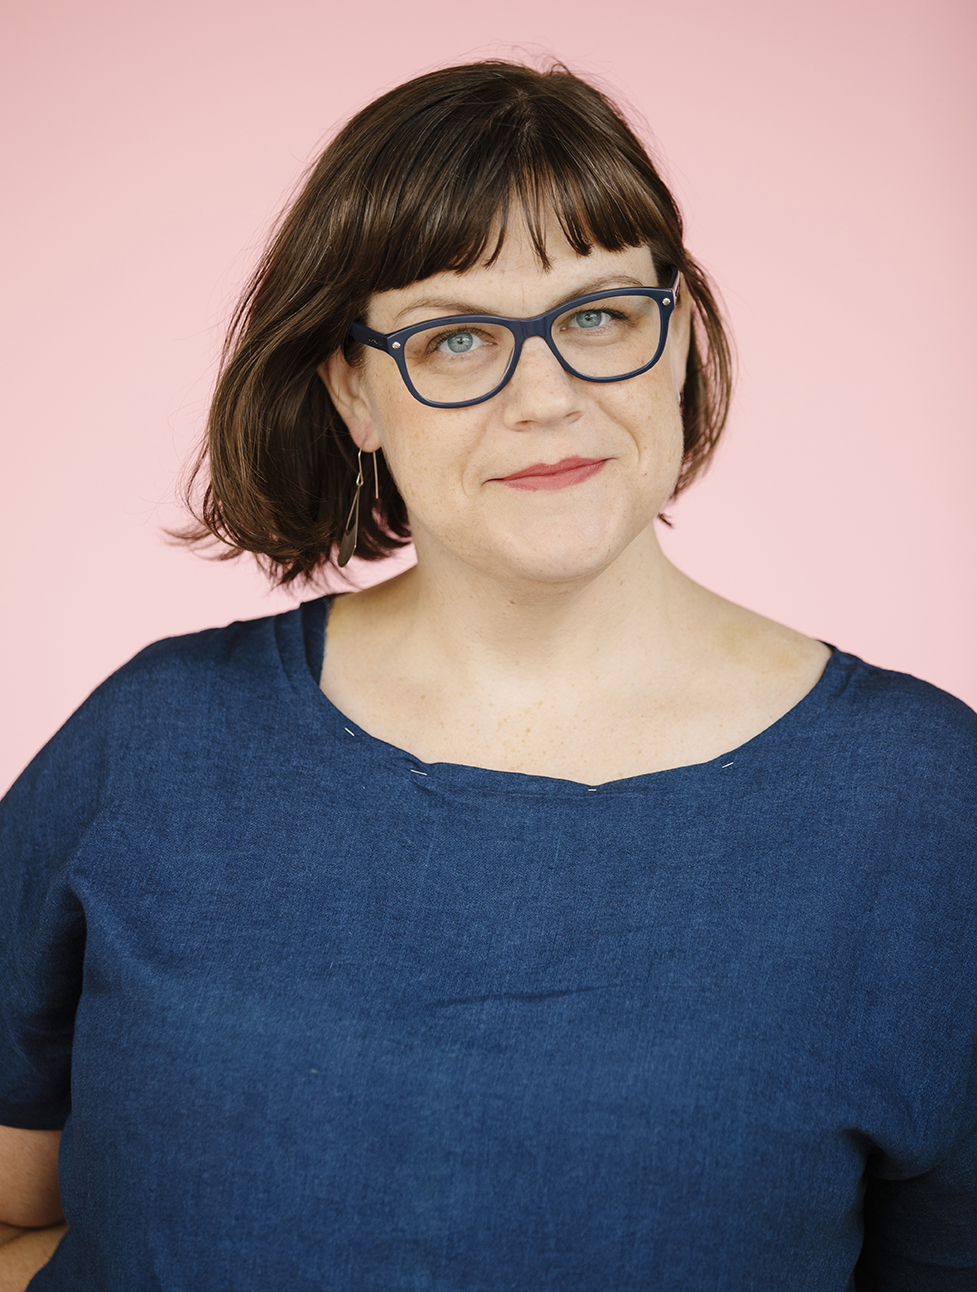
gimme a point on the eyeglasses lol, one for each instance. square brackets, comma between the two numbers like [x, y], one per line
[465, 359]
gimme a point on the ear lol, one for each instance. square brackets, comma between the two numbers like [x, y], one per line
[346, 390]
[679, 335]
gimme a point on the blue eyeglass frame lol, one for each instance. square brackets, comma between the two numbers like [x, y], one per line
[540, 325]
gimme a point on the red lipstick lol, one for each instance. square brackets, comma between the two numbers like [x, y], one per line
[554, 475]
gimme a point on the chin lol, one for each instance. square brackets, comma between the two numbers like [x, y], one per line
[558, 559]
[568, 575]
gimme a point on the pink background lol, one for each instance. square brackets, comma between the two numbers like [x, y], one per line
[823, 151]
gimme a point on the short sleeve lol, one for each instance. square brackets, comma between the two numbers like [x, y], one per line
[921, 1232]
[43, 822]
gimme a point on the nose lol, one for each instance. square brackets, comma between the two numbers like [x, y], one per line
[540, 391]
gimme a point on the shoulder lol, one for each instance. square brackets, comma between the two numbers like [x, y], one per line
[897, 750]
[839, 694]
[237, 659]
[241, 648]
[899, 710]
[178, 696]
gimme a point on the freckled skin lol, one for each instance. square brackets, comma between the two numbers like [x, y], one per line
[447, 461]
[545, 631]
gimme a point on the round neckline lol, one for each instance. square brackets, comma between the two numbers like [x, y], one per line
[304, 665]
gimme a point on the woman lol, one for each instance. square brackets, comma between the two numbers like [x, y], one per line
[535, 919]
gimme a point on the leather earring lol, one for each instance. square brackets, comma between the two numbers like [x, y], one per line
[347, 544]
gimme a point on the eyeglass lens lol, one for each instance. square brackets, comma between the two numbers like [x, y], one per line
[605, 338]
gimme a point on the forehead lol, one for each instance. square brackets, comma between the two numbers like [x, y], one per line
[515, 282]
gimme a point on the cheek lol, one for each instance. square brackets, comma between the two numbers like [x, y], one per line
[395, 416]
[671, 449]
[652, 412]
[426, 450]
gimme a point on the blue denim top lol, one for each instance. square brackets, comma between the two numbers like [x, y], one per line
[315, 1015]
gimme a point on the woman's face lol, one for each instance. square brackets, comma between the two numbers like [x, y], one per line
[454, 466]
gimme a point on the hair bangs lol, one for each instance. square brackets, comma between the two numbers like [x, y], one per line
[453, 175]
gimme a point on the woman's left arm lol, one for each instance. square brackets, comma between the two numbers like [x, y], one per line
[24, 1251]
[29, 1194]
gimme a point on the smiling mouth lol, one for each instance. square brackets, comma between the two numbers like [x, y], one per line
[553, 475]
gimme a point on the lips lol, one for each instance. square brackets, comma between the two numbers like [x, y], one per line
[554, 475]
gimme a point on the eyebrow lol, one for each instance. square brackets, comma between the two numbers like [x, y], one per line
[448, 306]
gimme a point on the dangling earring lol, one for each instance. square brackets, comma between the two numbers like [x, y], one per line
[347, 544]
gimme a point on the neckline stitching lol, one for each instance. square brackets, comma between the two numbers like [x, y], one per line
[312, 617]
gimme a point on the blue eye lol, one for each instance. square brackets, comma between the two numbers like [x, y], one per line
[459, 343]
[590, 318]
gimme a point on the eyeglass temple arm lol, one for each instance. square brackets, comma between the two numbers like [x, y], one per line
[367, 336]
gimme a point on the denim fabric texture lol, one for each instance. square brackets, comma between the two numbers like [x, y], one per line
[315, 1015]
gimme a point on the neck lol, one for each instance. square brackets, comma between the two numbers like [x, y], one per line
[476, 624]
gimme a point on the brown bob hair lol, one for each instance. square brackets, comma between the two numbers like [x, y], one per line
[417, 183]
